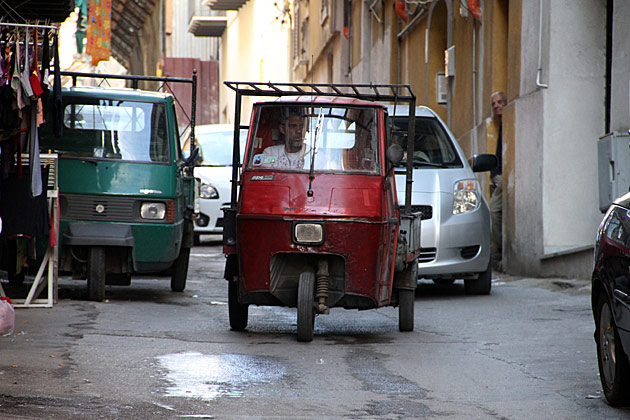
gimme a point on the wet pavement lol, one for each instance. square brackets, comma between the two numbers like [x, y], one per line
[526, 351]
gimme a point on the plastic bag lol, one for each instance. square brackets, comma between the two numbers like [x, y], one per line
[7, 316]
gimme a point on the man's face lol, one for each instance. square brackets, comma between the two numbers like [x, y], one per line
[293, 130]
[497, 105]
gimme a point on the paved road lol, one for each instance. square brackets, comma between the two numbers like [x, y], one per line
[524, 352]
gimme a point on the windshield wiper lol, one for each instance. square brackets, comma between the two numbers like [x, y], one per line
[422, 162]
[318, 133]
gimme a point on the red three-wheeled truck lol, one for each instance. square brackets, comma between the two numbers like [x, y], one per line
[314, 221]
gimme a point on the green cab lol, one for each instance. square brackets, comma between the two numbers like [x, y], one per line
[127, 195]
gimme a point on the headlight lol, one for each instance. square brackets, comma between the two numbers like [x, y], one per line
[465, 197]
[208, 191]
[308, 233]
[153, 211]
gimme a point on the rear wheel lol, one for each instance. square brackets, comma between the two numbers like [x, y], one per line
[480, 285]
[96, 274]
[406, 303]
[236, 311]
[614, 370]
[306, 306]
[180, 270]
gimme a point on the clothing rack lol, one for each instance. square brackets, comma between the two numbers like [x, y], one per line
[27, 25]
[49, 260]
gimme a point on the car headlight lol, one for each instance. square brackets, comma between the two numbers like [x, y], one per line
[208, 191]
[153, 211]
[465, 197]
[308, 233]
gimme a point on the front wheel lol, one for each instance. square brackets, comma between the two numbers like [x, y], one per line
[406, 304]
[180, 270]
[96, 274]
[614, 370]
[306, 306]
[481, 285]
[236, 311]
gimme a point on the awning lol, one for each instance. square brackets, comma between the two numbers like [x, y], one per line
[207, 25]
[224, 4]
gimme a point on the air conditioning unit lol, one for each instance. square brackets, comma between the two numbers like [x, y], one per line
[613, 153]
[441, 89]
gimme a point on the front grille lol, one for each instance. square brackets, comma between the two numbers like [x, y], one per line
[84, 207]
[469, 252]
[427, 255]
[427, 211]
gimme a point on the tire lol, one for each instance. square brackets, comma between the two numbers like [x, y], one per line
[481, 285]
[96, 274]
[306, 306]
[406, 304]
[614, 369]
[236, 311]
[196, 239]
[180, 270]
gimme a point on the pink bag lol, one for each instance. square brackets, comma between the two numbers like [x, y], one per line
[7, 316]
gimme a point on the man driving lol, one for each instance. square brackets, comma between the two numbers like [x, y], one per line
[289, 154]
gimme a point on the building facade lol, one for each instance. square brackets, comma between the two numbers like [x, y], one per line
[561, 63]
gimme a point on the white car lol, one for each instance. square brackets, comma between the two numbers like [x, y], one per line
[455, 228]
[214, 170]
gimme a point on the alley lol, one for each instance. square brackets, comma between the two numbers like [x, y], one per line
[524, 352]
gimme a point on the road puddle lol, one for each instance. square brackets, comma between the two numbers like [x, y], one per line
[208, 377]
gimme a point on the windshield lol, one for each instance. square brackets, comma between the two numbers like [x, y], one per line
[215, 147]
[111, 129]
[334, 139]
[432, 146]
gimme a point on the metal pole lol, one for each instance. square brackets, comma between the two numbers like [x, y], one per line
[236, 149]
[193, 112]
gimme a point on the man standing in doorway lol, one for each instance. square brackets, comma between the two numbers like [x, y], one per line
[499, 100]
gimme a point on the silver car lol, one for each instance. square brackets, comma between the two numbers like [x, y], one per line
[455, 233]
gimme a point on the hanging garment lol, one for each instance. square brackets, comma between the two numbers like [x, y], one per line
[45, 73]
[21, 213]
[25, 75]
[15, 74]
[57, 111]
[34, 77]
[33, 152]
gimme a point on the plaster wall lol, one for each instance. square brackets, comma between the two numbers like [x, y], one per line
[254, 48]
[572, 122]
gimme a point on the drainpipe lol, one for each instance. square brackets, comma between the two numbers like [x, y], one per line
[539, 71]
[474, 84]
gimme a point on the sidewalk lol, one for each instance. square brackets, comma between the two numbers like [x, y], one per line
[569, 286]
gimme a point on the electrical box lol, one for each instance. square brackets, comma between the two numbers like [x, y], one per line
[441, 89]
[613, 155]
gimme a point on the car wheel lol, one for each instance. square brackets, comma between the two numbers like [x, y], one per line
[180, 270]
[406, 303]
[196, 239]
[237, 311]
[96, 274]
[480, 285]
[614, 370]
[306, 307]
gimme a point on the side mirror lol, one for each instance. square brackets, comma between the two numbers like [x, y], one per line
[193, 159]
[394, 154]
[484, 162]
